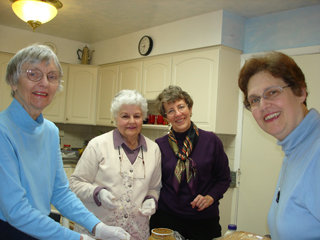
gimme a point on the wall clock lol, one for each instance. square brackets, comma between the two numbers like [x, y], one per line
[145, 45]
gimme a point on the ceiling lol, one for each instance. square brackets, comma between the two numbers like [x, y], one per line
[91, 21]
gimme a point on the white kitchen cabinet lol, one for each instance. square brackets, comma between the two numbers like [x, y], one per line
[5, 89]
[81, 94]
[55, 112]
[210, 77]
[130, 76]
[156, 76]
[107, 89]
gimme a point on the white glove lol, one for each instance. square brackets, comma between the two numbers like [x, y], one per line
[106, 232]
[86, 237]
[148, 207]
[106, 198]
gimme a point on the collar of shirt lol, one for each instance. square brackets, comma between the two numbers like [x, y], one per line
[131, 154]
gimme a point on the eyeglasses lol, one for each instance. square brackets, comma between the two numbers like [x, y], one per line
[270, 93]
[126, 174]
[35, 75]
[181, 108]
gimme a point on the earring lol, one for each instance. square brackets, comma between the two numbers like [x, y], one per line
[13, 92]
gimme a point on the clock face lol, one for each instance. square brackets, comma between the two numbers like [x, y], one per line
[145, 45]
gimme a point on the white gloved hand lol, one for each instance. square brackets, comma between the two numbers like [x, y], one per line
[106, 232]
[86, 237]
[148, 207]
[106, 198]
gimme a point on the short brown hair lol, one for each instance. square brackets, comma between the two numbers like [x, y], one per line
[172, 94]
[279, 65]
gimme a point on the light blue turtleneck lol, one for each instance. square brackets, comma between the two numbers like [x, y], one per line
[297, 214]
[32, 177]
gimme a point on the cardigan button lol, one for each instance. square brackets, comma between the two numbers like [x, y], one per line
[131, 170]
[126, 216]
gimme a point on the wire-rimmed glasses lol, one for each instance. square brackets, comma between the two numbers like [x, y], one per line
[270, 93]
[35, 75]
[181, 108]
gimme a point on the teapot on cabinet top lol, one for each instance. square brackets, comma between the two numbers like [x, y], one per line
[86, 55]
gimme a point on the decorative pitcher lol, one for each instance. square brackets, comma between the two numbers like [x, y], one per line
[86, 55]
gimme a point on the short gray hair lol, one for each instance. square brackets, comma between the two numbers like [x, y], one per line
[169, 95]
[128, 97]
[32, 54]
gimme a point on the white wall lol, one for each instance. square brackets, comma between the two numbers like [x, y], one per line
[196, 32]
[12, 40]
[215, 28]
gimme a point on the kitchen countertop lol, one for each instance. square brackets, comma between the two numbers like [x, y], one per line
[70, 157]
[70, 161]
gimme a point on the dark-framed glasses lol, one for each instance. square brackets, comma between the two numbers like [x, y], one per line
[132, 175]
[270, 93]
[35, 75]
[181, 108]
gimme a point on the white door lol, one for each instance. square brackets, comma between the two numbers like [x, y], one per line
[130, 76]
[81, 94]
[107, 89]
[156, 77]
[56, 109]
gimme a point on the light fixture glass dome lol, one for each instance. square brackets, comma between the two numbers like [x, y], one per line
[34, 12]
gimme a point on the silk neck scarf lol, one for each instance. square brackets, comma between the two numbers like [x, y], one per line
[185, 163]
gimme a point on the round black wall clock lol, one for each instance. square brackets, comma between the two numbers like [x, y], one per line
[145, 45]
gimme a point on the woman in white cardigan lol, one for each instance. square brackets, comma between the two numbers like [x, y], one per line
[118, 176]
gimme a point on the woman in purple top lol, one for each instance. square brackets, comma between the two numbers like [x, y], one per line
[195, 171]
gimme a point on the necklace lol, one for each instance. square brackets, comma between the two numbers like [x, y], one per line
[142, 159]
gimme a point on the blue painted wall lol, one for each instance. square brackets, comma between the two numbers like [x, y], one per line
[233, 29]
[289, 29]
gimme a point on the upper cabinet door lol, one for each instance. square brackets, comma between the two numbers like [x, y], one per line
[156, 76]
[55, 111]
[107, 89]
[81, 94]
[196, 74]
[5, 89]
[210, 77]
[130, 76]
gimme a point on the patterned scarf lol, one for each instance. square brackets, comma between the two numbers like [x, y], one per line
[185, 163]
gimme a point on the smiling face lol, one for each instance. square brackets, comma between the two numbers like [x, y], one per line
[35, 96]
[280, 116]
[180, 121]
[129, 122]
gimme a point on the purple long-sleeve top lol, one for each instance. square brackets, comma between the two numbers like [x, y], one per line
[213, 176]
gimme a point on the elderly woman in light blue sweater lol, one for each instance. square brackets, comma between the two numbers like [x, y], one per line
[31, 169]
[275, 92]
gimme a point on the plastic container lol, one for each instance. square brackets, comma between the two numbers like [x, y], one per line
[231, 229]
[66, 147]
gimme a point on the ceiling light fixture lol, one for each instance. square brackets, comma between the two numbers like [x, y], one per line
[36, 12]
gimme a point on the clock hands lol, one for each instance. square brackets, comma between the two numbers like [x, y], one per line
[145, 45]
